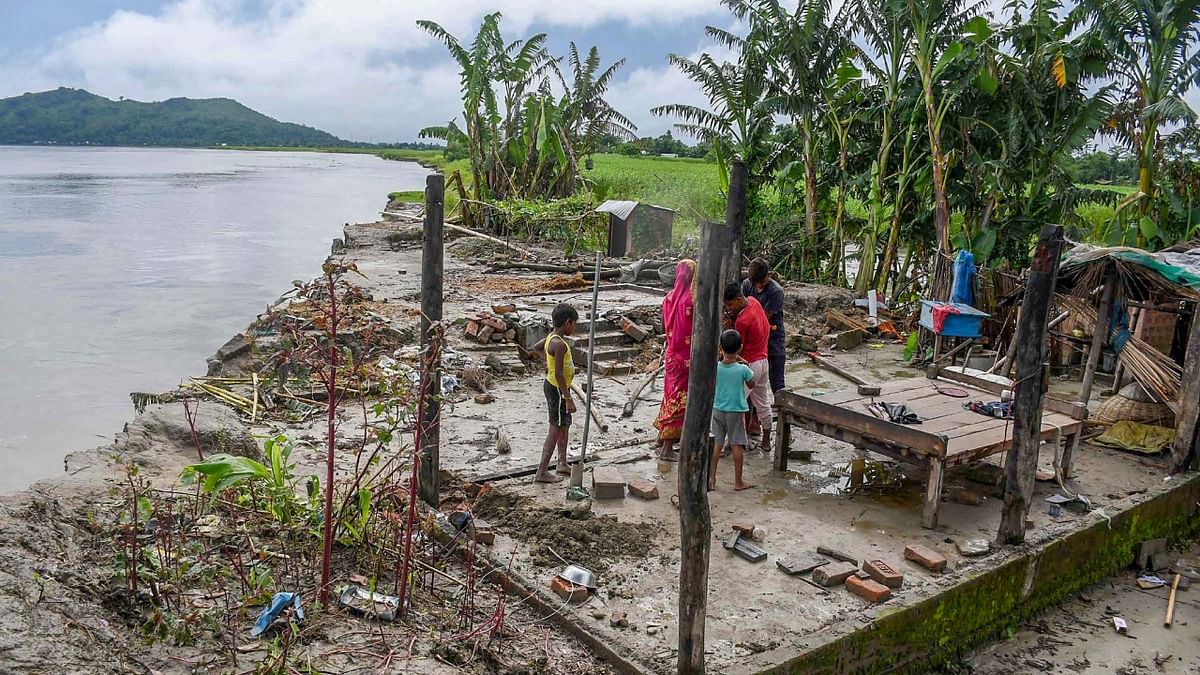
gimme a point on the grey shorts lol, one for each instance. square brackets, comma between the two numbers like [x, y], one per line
[729, 428]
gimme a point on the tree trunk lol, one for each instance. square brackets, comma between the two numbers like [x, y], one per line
[1184, 450]
[695, 522]
[431, 315]
[1020, 467]
[941, 214]
[736, 219]
[837, 252]
[810, 184]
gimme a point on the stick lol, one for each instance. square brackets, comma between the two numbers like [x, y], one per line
[592, 412]
[829, 365]
[254, 410]
[480, 235]
[628, 411]
[1171, 602]
[577, 470]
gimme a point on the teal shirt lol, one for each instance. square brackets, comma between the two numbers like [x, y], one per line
[731, 387]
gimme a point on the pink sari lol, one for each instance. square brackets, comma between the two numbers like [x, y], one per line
[677, 311]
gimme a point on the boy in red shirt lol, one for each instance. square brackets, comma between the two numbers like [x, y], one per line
[746, 316]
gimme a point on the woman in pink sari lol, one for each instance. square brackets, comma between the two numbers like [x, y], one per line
[677, 311]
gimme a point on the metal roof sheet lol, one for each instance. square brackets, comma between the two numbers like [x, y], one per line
[617, 207]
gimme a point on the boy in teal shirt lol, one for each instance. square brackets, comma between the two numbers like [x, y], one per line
[729, 408]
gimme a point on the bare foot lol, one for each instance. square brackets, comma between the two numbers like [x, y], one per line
[547, 478]
[669, 456]
[564, 469]
[742, 486]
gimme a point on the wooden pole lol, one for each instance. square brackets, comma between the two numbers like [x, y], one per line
[431, 317]
[1119, 372]
[695, 521]
[1020, 467]
[737, 217]
[1099, 339]
[1188, 419]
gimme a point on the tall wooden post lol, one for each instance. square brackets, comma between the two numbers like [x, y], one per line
[1184, 450]
[695, 521]
[1020, 467]
[431, 317]
[1099, 338]
[737, 217]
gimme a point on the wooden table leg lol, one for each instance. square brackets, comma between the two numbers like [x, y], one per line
[783, 438]
[1070, 445]
[933, 492]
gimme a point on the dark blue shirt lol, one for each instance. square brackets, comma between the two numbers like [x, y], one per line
[771, 299]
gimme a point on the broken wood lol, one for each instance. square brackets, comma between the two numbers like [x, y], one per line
[1099, 339]
[831, 366]
[595, 414]
[530, 469]
[633, 399]
[1171, 602]
[1020, 466]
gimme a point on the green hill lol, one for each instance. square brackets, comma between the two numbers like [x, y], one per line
[77, 117]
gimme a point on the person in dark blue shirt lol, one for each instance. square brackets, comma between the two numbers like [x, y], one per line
[769, 294]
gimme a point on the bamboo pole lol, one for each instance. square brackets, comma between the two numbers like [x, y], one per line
[431, 315]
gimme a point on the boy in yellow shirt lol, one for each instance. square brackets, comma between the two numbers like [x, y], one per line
[560, 371]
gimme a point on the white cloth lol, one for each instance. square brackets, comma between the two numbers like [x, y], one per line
[761, 397]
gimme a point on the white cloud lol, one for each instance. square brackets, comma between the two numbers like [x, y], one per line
[360, 69]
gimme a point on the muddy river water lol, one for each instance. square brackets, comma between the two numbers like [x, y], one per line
[123, 269]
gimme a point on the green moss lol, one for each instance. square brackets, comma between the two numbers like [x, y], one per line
[408, 196]
[932, 632]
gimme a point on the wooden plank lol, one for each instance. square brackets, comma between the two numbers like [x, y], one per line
[1069, 408]
[867, 425]
[889, 388]
[996, 439]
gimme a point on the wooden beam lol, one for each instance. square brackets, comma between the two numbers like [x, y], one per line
[1020, 467]
[432, 269]
[737, 216]
[1073, 409]
[1099, 339]
[1187, 421]
[695, 519]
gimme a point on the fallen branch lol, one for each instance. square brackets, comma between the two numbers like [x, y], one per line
[488, 237]
[596, 416]
[633, 399]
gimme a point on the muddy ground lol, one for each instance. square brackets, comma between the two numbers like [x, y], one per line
[59, 611]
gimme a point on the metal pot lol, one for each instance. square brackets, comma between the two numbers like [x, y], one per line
[580, 576]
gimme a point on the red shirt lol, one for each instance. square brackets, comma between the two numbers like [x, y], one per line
[754, 328]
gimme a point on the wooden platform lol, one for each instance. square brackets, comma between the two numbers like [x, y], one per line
[948, 436]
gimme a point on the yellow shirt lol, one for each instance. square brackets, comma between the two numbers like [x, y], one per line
[568, 362]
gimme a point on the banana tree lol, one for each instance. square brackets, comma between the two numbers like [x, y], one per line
[1153, 58]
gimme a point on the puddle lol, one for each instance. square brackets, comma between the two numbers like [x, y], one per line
[664, 468]
[772, 497]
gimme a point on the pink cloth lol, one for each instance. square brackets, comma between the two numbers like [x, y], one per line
[678, 308]
[939, 314]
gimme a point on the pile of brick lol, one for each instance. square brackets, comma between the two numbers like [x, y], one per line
[488, 328]
[844, 330]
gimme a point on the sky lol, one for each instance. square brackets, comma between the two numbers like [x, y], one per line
[359, 69]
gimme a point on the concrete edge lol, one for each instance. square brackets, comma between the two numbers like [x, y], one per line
[945, 625]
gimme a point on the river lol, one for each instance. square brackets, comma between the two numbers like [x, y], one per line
[123, 269]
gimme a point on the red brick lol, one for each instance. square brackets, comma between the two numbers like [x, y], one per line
[472, 329]
[484, 399]
[643, 488]
[510, 335]
[834, 574]
[883, 573]
[744, 526]
[633, 330]
[483, 533]
[925, 557]
[568, 591]
[868, 589]
[485, 334]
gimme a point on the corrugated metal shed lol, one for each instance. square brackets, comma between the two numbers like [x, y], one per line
[619, 208]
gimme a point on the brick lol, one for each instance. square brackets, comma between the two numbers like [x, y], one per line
[643, 488]
[746, 527]
[925, 557]
[868, 589]
[510, 334]
[883, 573]
[485, 334]
[483, 533]
[834, 574]
[848, 339]
[618, 619]
[472, 329]
[968, 497]
[607, 484]
[633, 330]
[568, 591]
[484, 399]
[472, 489]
